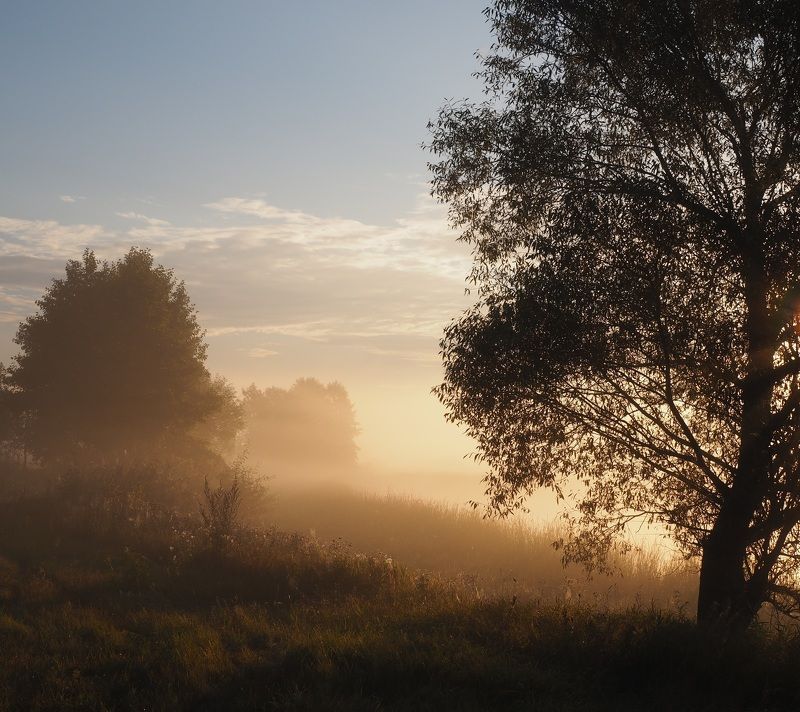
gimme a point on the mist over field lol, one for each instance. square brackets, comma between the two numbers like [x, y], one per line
[434, 355]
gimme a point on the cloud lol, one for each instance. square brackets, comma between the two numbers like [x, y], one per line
[154, 222]
[71, 198]
[337, 288]
[313, 331]
[260, 209]
[45, 239]
[261, 352]
[418, 241]
[14, 307]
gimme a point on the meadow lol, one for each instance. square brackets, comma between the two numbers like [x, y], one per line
[506, 557]
[108, 604]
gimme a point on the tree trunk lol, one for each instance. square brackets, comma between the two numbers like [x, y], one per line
[726, 595]
[723, 597]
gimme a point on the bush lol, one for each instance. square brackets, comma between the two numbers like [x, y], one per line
[220, 511]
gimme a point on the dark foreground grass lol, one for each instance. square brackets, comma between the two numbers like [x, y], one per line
[152, 619]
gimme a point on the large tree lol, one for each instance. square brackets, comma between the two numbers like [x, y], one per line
[630, 188]
[112, 367]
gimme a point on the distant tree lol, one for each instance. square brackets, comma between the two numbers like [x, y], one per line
[310, 424]
[112, 367]
[631, 192]
[220, 429]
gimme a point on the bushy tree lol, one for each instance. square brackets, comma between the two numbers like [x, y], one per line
[631, 191]
[219, 430]
[309, 424]
[112, 366]
[10, 420]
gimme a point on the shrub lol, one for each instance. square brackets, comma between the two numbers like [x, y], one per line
[220, 511]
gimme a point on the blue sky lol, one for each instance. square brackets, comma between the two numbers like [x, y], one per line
[320, 105]
[270, 153]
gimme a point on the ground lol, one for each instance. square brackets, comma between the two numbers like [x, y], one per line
[154, 616]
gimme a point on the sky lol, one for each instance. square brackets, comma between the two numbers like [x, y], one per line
[270, 153]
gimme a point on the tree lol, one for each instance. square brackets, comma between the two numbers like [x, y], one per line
[10, 422]
[221, 427]
[308, 425]
[630, 188]
[112, 367]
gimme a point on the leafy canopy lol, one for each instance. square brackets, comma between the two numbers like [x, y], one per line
[112, 366]
[630, 190]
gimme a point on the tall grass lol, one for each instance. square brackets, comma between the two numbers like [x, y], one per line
[149, 615]
[108, 602]
[496, 557]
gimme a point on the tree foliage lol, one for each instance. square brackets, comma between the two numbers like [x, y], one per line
[10, 423]
[630, 188]
[112, 366]
[219, 430]
[309, 424]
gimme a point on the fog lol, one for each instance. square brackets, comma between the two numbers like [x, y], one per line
[418, 355]
[302, 415]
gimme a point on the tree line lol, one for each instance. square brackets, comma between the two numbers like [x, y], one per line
[111, 371]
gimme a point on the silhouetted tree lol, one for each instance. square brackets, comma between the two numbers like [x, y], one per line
[220, 428]
[631, 192]
[309, 424]
[112, 367]
[10, 419]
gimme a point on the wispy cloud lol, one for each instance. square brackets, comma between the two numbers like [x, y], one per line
[47, 238]
[14, 307]
[255, 269]
[418, 241]
[154, 222]
[260, 209]
[71, 198]
[312, 331]
[261, 352]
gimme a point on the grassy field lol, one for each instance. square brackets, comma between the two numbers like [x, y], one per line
[149, 615]
[498, 557]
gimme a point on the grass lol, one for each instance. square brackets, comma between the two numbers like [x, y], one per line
[498, 557]
[150, 616]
